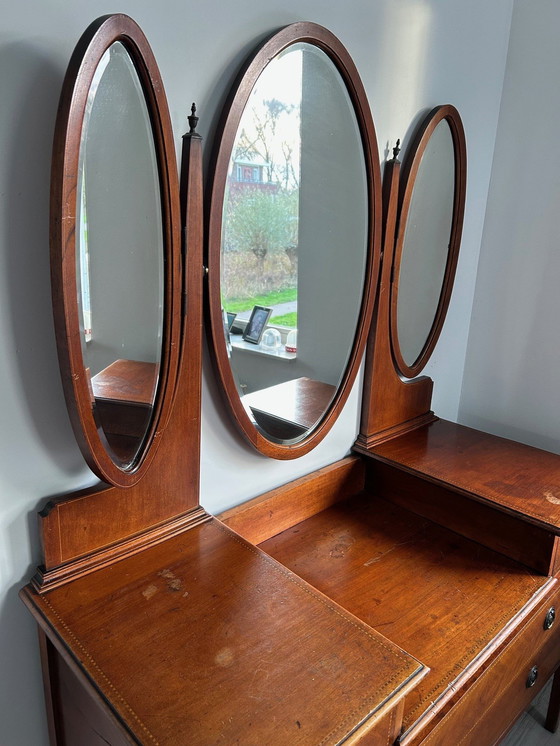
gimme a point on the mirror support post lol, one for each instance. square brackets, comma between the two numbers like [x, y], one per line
[391, 405]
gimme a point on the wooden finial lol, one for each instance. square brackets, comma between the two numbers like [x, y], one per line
[193, 120]
[396, 150]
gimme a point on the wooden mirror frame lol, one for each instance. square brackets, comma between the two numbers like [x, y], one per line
[392, 404]
[64, 181]
[411, 164]
[225, 138]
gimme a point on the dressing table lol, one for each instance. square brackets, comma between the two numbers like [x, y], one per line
[408, 592]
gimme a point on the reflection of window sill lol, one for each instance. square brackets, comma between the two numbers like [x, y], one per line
[280, 353]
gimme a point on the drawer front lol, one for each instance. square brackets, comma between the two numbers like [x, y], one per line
[497, 698]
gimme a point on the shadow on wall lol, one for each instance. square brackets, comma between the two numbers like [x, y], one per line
[27, 125]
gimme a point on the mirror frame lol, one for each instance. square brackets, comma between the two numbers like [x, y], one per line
[411, 165]
[97, 38]
[225, 137]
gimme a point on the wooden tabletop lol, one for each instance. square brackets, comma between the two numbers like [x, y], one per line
[301, 401]
[207, 639]
[131, 381]
[516, 478]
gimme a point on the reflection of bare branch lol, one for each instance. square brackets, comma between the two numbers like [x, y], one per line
[266, 122]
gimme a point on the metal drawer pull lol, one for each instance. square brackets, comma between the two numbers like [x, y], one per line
[533, 673]
[549, 618]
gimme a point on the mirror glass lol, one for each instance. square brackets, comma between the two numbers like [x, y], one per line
[119, 256]
[294, 242]
[426, 244]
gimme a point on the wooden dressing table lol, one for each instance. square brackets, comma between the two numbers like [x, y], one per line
[408, 592]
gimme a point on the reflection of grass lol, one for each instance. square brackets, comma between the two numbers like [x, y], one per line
[270, 299]
[286, 319]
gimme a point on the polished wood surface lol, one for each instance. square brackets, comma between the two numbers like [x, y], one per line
[447, 600]
[275, 511]
[390, 404]
[85, 529]
[513, 477]
[533, 546]
[220, 161]
[297, 405]
[205, 639]
[130, 381]
[492, 704]
[64, 184]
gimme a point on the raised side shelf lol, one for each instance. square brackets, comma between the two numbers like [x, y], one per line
[511, 477]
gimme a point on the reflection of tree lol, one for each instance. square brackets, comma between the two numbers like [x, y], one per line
[264, 142]
[261, 221]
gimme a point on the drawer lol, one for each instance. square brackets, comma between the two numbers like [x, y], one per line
[500, 694]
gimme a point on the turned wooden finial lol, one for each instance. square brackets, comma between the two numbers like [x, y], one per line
[193, 120]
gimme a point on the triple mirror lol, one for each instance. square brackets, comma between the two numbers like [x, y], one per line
[293, 230]
[293, 239]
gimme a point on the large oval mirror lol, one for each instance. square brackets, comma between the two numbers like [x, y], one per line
[294, 218]
[431, 207]
[115, 249]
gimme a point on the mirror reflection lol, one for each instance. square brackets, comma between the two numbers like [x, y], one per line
[426, 244]
[119, 254]
[294, 242]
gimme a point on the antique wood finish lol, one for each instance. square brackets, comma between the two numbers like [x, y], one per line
[65, 174]
[291, 408]
[410, 169]
[531, 545]
[275, 511]
[491, 705]
[514, 478]
[390, 405]
[94, 527]
[225, 136]
[204, 637]
[449, 601]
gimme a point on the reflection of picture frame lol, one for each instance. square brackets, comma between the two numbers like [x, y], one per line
[256, 324]
[230, 319]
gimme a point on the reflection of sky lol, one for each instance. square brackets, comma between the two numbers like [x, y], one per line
[281, 80]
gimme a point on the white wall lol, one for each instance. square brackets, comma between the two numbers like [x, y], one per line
[412, 55]
[511, 374]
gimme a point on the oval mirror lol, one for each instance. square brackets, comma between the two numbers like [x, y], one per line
[431, 208]
[293, 223]
[115, 249]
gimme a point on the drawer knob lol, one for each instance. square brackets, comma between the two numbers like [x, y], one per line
[531, 679]
[549, 618]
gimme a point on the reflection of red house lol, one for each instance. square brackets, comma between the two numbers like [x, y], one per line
[251, 174]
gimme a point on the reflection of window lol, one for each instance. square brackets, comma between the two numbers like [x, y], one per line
[84, 263]
[249, 174]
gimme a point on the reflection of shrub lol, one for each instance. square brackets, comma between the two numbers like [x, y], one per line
[261, 221]
[245, 276]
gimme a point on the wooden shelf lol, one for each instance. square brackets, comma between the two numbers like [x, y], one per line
[512, 477]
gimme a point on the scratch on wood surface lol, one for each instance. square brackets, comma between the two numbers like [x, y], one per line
[551, 498]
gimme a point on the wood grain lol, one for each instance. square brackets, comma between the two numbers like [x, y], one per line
[531, 545]
[512, 477]
[279, 509]
[96, 520]
[390, 405]
[445, 599]
[207, 637]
